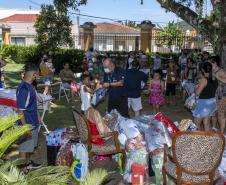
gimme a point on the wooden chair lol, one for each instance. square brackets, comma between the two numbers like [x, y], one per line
[111, 146]
[195, 158]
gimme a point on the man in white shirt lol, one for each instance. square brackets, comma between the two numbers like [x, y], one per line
[157, 62]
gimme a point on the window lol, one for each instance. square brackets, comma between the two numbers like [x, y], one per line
[20, 41]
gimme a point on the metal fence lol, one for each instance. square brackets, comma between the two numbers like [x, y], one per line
[131, 41]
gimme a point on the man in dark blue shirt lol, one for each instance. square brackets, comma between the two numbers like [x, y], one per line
[133, 80]
[114, 80]
[27, 106]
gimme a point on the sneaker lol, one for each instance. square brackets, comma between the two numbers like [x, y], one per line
[33, 165]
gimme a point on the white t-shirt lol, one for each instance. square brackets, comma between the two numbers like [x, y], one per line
[85, 98]
[130, 60]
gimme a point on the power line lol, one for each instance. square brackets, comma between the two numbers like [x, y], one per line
[97, 17]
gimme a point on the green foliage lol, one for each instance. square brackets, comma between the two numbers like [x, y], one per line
[132, 24]
[63, 5]
[96, 177]
[9, 133]
[33, 54]
[53, 29]
[10, 174]
[21, 54]
[52, 175]
[170, 34]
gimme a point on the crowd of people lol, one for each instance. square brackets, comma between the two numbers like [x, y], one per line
[161, 81]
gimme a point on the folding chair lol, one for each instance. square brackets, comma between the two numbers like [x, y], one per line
[164, 72]
[44, 107]
[62, 88]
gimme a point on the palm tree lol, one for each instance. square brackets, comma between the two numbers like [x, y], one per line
[10, 174]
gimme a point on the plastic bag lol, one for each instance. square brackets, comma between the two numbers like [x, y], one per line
[134, 156]
[98, 96]
[75, 87]
[80, 154]
[155, 133]
[190, 102]
[172, 129]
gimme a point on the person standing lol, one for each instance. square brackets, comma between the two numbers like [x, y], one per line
[220, 74]
[2, 64]
[133, 81]
[47, 71]
[27, 108]
[156, 89]
[114, 80]
[171, 82]
[206, 104]
[157, 62]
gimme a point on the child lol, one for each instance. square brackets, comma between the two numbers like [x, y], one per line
[156, 89]
[86, 93]
[171, 82]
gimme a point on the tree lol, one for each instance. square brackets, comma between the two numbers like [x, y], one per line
[212, 27]
[169, 35]
[53, 28]
[132, 24]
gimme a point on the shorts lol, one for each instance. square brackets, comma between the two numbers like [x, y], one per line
[221, 106]
[135, 103]
[29, 145]
[47, 80]
[205, 108]
[170, 89]
[66, 85]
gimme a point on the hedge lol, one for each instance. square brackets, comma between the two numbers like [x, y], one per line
[33, 54]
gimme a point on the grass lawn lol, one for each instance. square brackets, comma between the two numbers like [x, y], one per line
[62, 116]
[62, 113]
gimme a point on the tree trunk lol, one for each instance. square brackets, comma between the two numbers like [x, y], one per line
[222, 34]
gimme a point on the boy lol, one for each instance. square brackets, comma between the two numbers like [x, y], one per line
[27, 108]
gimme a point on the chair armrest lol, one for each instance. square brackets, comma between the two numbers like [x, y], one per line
[110, 134]
[167, 154]
[104, 135]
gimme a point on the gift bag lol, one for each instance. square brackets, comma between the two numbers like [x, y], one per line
[98, 96]
[190, 102]
[64, 155]
[75, 87]
[171, 127]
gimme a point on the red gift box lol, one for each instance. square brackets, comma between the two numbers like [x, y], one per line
[171, 127]
[138, 174]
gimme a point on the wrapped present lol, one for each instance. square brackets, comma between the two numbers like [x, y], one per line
[138, 174]
[55, 138]
[8, 98]
[184, 124]
[172, 129]
[134, 156]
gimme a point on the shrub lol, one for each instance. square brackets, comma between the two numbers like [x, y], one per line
[33, 54]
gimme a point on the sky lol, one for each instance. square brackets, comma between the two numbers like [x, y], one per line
[114, 9]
